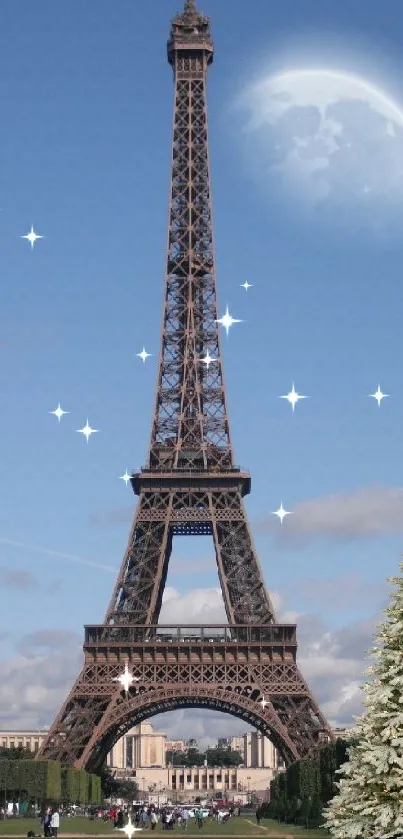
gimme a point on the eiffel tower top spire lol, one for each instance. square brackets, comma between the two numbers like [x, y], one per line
[190, 30]
[190, 7]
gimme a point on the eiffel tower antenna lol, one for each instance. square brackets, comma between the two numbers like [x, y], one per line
[189, 486]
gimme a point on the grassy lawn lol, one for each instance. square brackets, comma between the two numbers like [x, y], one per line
[291, 830]
[83, 827]
[80, 827]
[235, 827]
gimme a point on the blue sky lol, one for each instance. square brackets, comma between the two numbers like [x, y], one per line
[86, 102]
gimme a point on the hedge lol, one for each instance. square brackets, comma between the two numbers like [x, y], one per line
[83, 787]
[38, 779]
[71, 785]
[47, 780]
[94, 789]
[299, 794]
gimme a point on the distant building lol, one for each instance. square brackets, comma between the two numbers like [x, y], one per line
[257, 751]
[344, 733]
[186, 784]
[31, 740]
[237, 744]
[142, 748]
[139, 747]
[175, 746]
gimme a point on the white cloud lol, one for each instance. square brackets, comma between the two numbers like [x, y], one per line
[33, 689]
[363, 513]
[203, 605]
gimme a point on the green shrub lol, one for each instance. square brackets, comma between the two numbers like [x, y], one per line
[70, 785]
[34, 779]
[300, 793]
[82, 786]
[94, 789]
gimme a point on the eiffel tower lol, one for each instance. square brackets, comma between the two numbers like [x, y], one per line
[190, 486]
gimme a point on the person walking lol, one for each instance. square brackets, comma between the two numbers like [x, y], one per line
[54, 822]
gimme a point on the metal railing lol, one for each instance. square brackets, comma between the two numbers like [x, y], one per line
[192, 634]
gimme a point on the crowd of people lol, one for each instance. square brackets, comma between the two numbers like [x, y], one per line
[169, 816]
[142, 816]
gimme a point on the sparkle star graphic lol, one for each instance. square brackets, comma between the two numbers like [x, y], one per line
[246, 285]
[126, 679]
[293, 397]
[208, 359]
[227, 320]
[281, 513]
[129, 829]
[143, 355]
[126, 477]
[58, 412]
[378, 395]
[32, 237]
[263, 703]
[87, 431]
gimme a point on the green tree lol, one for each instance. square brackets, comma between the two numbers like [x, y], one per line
[223, 757]
[315, 811]
[190, 758]
[127, 790]
[112, 787]
[369, 801]
[194, 757]
[109, 783]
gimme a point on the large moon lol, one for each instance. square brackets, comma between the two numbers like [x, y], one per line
[326, 134]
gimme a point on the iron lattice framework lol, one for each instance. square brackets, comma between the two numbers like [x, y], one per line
[190, 486]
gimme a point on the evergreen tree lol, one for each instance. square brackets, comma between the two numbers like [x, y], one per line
[369, 802]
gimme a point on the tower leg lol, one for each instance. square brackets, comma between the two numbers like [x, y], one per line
[245, 597]
[137, 595]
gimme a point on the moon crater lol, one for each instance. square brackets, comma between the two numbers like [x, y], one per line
[327, 135]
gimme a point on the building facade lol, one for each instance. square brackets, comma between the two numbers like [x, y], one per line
[176, 746]
[140, 747]
[237, 744]
[183, 784]
[259, 752]
[30, 740]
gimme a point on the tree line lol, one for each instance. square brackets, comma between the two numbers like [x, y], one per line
[214, 757]
[299, 794]
[32, 781]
